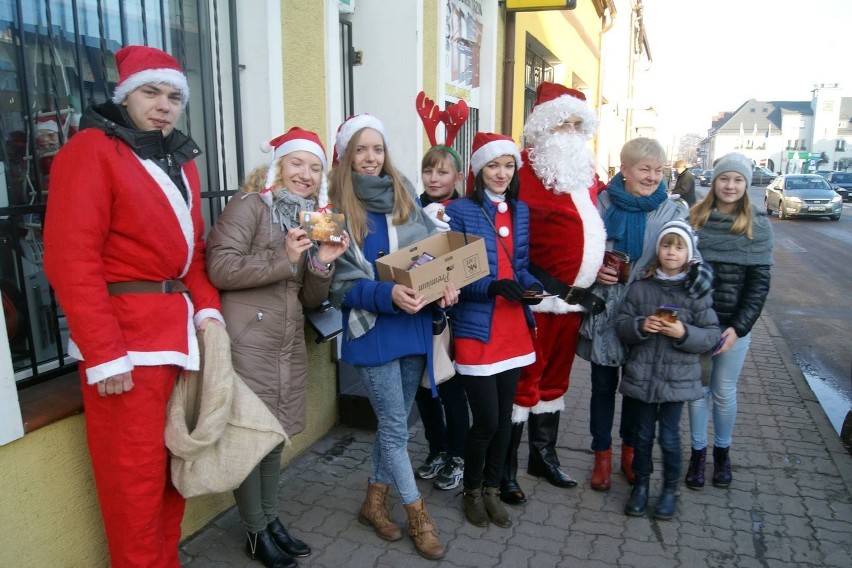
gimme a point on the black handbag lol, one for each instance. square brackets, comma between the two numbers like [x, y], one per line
[326, 320]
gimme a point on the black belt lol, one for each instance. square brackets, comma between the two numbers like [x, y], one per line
[574, 295]
[146, 287]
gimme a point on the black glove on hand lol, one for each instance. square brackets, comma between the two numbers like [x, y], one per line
[507, 288]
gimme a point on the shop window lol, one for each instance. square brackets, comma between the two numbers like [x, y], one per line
[57, 58]
[841, 145]
[537, 71]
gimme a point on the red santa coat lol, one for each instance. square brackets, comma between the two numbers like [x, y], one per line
[113, 217]
[567, 240]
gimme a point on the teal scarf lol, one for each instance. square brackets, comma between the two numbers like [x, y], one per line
[625, 219]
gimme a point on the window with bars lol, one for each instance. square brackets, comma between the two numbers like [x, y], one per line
[464, 139]
[537, 71]
[57, 58]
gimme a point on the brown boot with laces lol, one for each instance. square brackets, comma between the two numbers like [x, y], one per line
[374, 512]
[421, 529]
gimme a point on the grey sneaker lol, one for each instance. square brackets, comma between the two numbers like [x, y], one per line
[431, 466]
[450, 475]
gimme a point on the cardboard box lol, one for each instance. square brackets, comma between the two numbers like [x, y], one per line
[459, 259]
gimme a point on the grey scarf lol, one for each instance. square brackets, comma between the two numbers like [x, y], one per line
[286, 207]
[718, 244]
[376, 195]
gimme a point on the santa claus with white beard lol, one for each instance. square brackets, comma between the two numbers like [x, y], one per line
[567, 242]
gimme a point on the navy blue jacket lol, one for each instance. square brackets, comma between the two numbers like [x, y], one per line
[472, 316]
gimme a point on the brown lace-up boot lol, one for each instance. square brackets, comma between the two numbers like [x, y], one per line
[374, 512]
[421, 529]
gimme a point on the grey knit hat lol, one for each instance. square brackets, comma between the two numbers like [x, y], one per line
[733, 162]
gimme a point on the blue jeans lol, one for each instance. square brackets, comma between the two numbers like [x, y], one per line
[391, 388]
[723, 391]
[602, 409]
[667, 414]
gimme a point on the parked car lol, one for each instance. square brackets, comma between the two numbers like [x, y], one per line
[802, 195]
[705, 177]
[762, 176]
[841, 182]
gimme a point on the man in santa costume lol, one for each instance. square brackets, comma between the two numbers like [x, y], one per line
[123, 250]
[567, 242]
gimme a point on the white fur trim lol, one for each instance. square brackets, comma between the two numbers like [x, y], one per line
[207, 313]
[193, 355]
[554, 305]
[547, 115]
[101, 372]
[520, 414]
[353, 125]
[180, 207]
[549, 406]
[168, 76]
[490, 369]
[493, 150]
[300, 144]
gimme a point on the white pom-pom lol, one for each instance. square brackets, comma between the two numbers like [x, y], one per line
[502, 207]
[503, 232]
[266, 147]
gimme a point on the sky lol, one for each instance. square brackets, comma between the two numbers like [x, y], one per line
[711, 56]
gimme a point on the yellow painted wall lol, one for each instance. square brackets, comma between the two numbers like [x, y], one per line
[303, 51]
[572, 36]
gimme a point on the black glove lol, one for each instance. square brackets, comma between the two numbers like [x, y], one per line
[507, 288]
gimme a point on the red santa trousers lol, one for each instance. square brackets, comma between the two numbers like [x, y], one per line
[141, 509]
[555, 345]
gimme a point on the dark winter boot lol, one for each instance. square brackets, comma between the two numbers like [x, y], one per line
[261, 547]
[638, 501]
[667, 504]
[543, 429]
[695, 473]
[721, 467]
[510, 492]
[291, 545]
[473, 506]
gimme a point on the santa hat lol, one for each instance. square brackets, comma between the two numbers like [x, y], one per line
[294, 140]
[47, 123]
[685, 231]
[553, 104]
[350, 126]
[141, 65]
[488, 146]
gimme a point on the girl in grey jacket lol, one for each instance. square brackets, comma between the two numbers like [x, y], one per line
[666, 331]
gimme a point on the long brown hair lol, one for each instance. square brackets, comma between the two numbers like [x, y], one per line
[341, 192]
[742, 225]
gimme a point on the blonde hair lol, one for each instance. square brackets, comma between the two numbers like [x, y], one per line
[255, 181]
[667, 239]
[438, 156]
[638, 149]
[341, 192]
[742, 225]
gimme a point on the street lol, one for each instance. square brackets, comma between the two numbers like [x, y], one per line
[810, 302]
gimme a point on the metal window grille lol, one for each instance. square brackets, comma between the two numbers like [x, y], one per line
[464, 139]
[56, 58]
[347, 61]
[537, 71]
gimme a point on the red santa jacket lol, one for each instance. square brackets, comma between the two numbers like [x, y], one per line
[567, 235]
[113, 217]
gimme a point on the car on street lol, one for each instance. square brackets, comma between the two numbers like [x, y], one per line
[802, 195]
[762, 176]
[841, 182]
[705, 177]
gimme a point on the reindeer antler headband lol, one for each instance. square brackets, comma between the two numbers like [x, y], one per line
[453, 119]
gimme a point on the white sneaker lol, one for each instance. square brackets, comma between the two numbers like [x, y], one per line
[450, 476]
[431, 466]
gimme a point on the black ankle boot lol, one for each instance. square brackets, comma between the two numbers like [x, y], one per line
[667, 505]
[695, 473]
[721, 467]
[291, 545]
[638, 501]
[544, 462]
[261, 547]
[510, 492]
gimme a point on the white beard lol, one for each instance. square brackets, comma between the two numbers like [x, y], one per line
[563, 162]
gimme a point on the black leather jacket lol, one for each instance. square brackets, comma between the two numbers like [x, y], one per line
[739, 293]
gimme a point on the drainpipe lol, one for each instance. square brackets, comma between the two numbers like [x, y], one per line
[508, 73]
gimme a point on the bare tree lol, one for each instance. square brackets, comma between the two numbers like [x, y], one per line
[687, 149]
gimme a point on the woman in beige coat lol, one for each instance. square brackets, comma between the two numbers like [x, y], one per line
[267, 269]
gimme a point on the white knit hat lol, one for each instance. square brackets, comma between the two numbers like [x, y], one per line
[685, 231]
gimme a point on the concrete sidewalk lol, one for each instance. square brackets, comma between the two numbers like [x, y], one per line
[790, 503]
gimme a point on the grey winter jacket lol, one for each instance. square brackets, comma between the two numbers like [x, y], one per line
[262, 298]
[598, 342]
[661, 368]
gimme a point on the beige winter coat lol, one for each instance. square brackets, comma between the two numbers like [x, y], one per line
[262, 302]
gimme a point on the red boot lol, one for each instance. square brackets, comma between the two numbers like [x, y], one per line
[627, 462]
[603, 470]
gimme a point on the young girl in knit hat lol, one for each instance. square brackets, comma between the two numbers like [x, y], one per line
[666, 330]
[387, 327]
[492, 325]
[267, 269]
